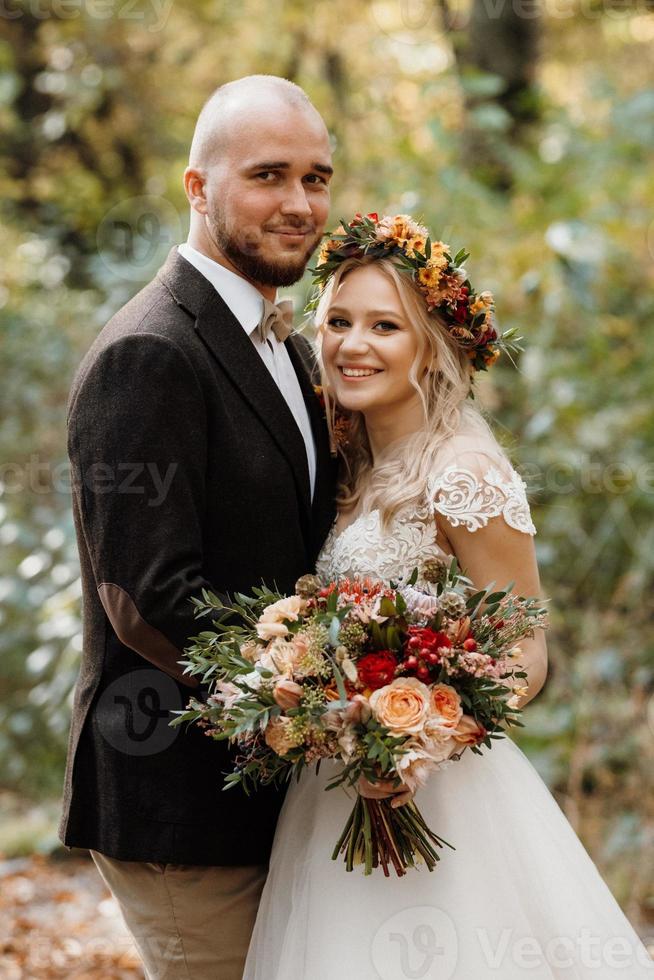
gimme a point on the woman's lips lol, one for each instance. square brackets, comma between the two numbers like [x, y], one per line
[358, 373]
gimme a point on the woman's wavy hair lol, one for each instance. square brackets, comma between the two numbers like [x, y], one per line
[400, 474]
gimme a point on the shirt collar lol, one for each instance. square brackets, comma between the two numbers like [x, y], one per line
[244, 300]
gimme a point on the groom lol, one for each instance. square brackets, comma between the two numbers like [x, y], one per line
[201, 461]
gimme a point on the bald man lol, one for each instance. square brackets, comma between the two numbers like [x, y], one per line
[201, 461]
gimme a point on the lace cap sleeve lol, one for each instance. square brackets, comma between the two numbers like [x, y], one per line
[477, 486]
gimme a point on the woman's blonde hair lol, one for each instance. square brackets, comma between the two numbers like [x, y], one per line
[400, 474]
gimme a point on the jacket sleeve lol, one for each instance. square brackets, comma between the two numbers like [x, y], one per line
[137, 440]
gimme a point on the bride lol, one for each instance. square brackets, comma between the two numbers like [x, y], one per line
[423, 476]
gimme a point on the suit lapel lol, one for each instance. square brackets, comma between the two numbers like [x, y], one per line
[323, 508]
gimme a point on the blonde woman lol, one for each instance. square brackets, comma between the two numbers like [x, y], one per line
[401, 333]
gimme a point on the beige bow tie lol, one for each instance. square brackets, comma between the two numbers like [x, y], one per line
[277, 318]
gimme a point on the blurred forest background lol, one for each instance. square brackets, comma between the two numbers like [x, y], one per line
[524, 131]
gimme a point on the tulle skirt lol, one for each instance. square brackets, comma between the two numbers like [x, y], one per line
[519, 898]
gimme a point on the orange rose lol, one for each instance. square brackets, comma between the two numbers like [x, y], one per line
[401, 706]
[468, 731]
[445, 706]
[280, 737]
[287, 694]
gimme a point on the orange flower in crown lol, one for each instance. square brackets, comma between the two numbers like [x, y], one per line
[468, 315]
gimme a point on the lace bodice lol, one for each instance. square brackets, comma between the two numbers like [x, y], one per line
[470, 495]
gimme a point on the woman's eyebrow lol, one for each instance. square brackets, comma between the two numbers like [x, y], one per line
[390, 313]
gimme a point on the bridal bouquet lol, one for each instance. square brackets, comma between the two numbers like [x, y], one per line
[392, 682]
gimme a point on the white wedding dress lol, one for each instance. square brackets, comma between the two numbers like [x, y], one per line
[519, 898]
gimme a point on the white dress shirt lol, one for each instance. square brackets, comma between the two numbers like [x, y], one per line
[246, 303]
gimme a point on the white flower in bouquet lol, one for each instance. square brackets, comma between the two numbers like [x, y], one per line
[420, 604]
[271, 621]
[348, 742]
[253, 680]
[226, 694]
[283, 656]
[423, 757]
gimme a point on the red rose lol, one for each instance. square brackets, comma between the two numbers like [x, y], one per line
[377, 669]
[373, 216]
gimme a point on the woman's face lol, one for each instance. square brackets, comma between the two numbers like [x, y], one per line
[369, 346]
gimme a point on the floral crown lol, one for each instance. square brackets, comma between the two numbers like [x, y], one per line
[441, 278]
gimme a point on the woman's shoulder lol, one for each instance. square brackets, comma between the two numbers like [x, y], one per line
[472, 481]
[469, 447]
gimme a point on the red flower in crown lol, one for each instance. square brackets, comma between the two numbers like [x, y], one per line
[358, 218]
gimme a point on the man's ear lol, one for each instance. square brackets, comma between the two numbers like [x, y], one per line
[195, 180]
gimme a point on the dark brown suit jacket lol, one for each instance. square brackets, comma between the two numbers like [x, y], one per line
[190, 473]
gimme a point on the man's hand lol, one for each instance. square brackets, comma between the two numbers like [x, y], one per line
[383, 789]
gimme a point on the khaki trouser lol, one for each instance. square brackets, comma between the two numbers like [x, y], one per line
[188, 922]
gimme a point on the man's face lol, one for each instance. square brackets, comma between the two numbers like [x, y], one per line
[268, 193]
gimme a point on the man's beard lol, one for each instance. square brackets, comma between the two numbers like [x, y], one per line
[242, 251]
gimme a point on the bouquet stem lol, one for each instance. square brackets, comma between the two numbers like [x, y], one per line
[376, 833]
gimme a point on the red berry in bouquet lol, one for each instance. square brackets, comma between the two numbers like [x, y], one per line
[427, 640]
